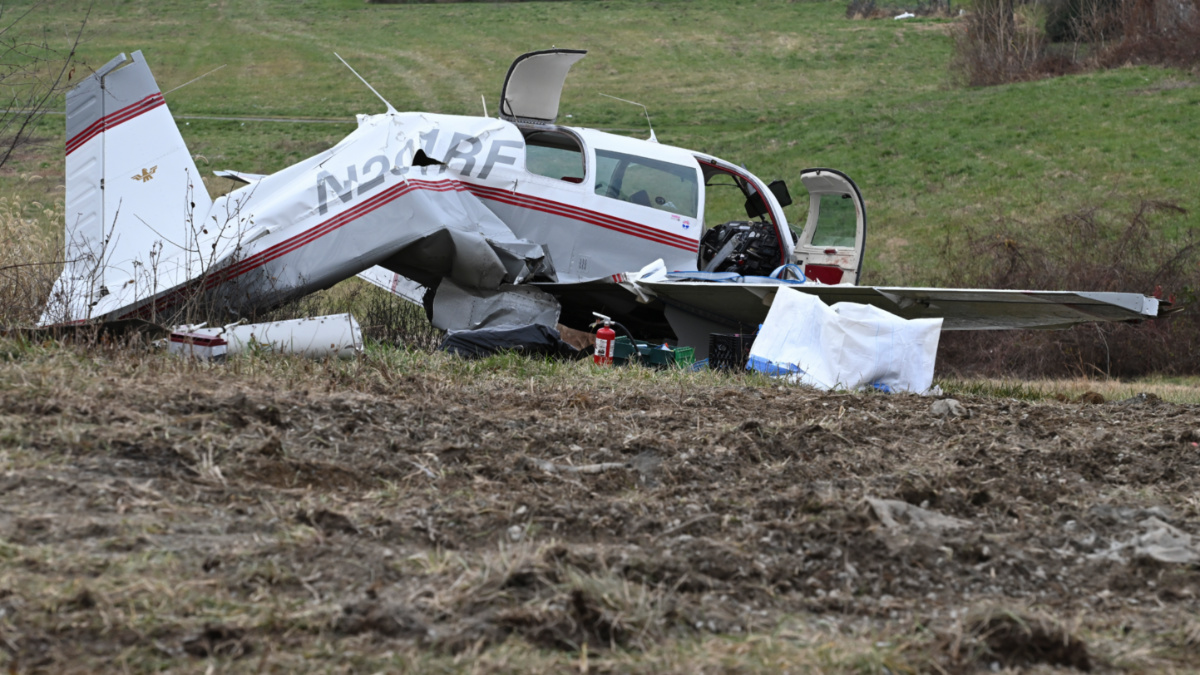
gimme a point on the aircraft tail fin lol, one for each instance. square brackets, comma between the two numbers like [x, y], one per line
[133, 194]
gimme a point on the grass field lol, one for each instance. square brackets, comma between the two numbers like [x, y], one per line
[779, 86]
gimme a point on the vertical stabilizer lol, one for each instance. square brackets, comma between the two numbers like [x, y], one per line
[133, 196]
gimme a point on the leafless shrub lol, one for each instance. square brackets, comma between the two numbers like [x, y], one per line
[1098, 249]
[1083, 21]
[32, 72]
[1165, 32]
[1001, 41]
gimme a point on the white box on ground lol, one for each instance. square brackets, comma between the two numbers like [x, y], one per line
[846, 346]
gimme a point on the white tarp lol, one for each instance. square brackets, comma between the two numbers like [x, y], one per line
[846, 346]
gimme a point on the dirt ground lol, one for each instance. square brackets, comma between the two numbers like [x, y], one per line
[376, 516]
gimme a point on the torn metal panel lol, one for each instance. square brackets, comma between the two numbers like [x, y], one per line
[396, 284]
[195, 345]
[459, 308]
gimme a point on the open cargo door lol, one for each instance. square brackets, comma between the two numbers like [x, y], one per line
[831, 246]
[534, 84]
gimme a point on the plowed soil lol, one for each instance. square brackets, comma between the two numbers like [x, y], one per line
[281, 518]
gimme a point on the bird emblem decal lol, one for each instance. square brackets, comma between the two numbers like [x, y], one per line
[145, 175]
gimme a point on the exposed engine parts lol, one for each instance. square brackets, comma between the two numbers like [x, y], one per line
[749, 248]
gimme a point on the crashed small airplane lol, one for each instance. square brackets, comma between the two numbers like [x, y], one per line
[485, 221]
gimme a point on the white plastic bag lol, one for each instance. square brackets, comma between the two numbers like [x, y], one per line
[846, 346]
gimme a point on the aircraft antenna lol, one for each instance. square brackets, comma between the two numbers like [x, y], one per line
[196, 79]
[483, 100]
[381, 98]
[653, 139]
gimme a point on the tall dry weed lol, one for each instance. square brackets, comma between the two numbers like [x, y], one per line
[30, 258]
[1102, 248]
[1002, 41]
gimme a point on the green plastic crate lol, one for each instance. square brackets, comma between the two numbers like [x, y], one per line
[652, 355]
[623, 350]
[676, 357]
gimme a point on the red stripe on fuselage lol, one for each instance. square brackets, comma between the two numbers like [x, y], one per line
[591, 217]
[391, 194]
[110, 121]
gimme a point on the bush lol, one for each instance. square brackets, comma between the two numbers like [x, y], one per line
[1094, 249]
[1001, 41]
[1083, 20]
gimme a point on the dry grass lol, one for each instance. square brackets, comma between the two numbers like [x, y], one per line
[276, 514]
[1080, 389]
[30, 259]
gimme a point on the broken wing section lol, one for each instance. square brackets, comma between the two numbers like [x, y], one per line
[135, 203]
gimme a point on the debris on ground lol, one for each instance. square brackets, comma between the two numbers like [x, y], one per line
[901, 516]
[948, 407]
[533, 339]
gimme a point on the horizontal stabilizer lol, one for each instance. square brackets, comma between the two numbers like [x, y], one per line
[240, 177]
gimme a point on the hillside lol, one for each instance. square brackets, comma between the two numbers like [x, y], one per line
[777, 86]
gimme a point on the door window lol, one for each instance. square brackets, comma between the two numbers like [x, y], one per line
[647, 182]
[837, 222]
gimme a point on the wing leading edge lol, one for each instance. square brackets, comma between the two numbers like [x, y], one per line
[747, 303]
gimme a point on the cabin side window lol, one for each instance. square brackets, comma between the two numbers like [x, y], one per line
[554, 154]
[647, 182]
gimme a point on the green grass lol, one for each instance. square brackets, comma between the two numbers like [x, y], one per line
[777, 86]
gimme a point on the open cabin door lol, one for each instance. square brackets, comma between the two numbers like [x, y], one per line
[831, 247]
[534, 84]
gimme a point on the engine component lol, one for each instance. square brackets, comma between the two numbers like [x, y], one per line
[749, 248]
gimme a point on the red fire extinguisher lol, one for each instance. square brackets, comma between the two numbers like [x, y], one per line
[606, 340]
